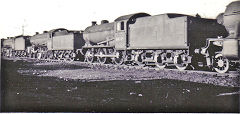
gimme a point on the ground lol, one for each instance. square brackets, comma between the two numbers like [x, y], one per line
[38, 86]
[96, 72]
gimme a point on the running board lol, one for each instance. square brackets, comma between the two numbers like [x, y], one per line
[97, 55]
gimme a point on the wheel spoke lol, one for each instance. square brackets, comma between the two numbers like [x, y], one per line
[159, 61]
[139, 60]
[222, 64]
[102, 60]
[119, 59]
[180, 63]
[89, 56]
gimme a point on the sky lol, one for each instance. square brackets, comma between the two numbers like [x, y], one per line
[44, 15]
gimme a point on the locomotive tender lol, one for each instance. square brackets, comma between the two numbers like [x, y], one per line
[141, 39]
[15, 46]
[7, 46]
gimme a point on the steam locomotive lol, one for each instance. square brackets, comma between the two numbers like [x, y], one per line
[141, 39]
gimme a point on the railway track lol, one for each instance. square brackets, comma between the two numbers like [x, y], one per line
[235, 73]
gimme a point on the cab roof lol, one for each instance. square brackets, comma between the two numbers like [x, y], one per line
[132, 16]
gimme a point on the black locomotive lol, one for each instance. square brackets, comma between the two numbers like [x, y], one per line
[141, 39]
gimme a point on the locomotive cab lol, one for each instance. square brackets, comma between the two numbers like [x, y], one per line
[121, 28]
[120, 34]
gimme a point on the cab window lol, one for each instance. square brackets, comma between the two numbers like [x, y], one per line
[120, 26]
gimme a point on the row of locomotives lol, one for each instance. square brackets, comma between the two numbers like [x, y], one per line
[222, 53]
[15, 46]
[59, 44]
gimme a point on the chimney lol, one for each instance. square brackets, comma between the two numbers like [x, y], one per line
[81, 31]
[37, 32]
[104, 21]
[45, 31]
[94, 23]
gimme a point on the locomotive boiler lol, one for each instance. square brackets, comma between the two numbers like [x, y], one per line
[98, 33]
